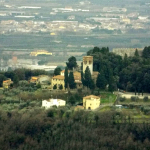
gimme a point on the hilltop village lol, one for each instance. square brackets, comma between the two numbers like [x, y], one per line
[106, 94]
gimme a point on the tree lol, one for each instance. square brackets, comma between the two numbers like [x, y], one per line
[101, 80]
[2, 78]
[146, 52]
[16, 80]
[55, 87]
[136, 53]
[82, 77]
[92, 85]
[125, 61]
[71, 63]
[66, 77]
[87, 77]
[72, 100]
[38, 85]
[61, 87]
[71, 81]
[112, 84]
[57, 71]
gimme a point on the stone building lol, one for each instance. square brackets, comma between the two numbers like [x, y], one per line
[91, 102]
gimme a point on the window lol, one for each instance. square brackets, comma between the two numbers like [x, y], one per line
[90, 62]
[85, 62]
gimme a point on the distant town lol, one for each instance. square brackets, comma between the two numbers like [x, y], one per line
[67, 29]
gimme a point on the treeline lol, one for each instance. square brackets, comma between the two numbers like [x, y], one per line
[64, 129]
[127, 73]
[20, 74]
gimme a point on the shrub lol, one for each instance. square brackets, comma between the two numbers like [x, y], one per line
[146, 110]
[134, 99]
[22, 105]
[51, 113]
[145, 99]
[122, 99]
[33, 103]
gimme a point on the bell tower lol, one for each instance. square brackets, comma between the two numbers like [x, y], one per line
[88, 61]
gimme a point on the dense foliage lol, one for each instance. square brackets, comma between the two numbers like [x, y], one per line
[127, 73]
[64, 129]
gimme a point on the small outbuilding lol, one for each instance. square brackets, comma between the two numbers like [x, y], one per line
[53, 102]
[91, 102]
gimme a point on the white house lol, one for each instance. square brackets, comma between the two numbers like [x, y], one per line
[53, 102]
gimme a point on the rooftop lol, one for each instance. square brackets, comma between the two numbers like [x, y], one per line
[59, 77]
[91, 96]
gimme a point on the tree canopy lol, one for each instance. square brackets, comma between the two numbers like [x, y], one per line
[57, 71]
[71, 63]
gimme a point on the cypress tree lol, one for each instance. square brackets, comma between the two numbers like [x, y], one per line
[82, 77]
[55, 86]
[101, 81]
[87, 77]
[125, 61]
[71, 81]
[66, 77]
[92, 85]
[136, 53]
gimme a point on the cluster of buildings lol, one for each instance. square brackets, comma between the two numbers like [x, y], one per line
[109, 22]
[48, 82]
[90, 102]
[110, 18]
[40, 52]
[59, 79]
[128, 51]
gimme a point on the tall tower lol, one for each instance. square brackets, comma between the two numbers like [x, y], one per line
[88, 61]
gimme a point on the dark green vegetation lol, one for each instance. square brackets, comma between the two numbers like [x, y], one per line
[67, 129]
[128, 73]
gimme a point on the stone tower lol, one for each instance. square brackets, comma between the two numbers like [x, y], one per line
[88, 61]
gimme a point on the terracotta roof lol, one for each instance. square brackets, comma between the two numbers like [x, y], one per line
[6, 81]
[91, 96]
[34, 78]
[87, 56]
[59, 77]
[95, 72]
[77, 81]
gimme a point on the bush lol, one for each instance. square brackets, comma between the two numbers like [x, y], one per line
[22, 105]
[146, 110]
[122, 99]
[145, 99]
[131, 106]
[134, 98]
[33, 103]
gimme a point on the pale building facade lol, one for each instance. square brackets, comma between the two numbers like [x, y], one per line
[53, 102]
[58, 80]
[91, 102]
[44, 80]
[7, 83]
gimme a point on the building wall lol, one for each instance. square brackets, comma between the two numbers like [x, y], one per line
[91, 103]
[53, 102]
[58, 82]
[61, 103]
[88, 61]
